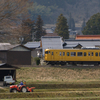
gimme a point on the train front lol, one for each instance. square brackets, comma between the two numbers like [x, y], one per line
[46, 55]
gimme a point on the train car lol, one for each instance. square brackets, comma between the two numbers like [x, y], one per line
[72, 56]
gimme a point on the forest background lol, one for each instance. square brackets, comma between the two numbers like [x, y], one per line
[21, 19]
[51, 9]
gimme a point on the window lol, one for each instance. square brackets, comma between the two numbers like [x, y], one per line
[49, 52]
[52, 53]
[84, 53]
[96, 54]
[73, 53]
[88, 53]
[46, 52]
[67, 53]
[99, 53]
[79, 54]
[60, 53]
[92, 54]
[63, 53]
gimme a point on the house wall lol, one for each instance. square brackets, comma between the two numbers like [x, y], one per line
[34, 53]
[3, 57]
[19, 57]
[51, 43]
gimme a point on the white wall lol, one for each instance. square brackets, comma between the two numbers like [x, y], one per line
[51, 43]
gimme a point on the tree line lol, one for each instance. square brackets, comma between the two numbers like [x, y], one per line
[15, 23]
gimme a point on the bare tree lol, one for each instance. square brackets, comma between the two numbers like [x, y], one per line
[12, 10]
[11, 14]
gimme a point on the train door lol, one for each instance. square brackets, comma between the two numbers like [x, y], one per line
[60, 56]
[57, 55]
[90, 55]
[63, 56]
[52, 55]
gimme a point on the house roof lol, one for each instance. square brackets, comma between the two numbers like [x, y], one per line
[32, 44]
[84, 43]
[5, 65]
[49, 30]
[5, 47]
[51, 34]
[87, 37]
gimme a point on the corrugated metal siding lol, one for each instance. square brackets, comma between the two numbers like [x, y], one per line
[19, 57]
[51, 43]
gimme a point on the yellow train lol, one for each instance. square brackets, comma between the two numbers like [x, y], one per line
[73, 56]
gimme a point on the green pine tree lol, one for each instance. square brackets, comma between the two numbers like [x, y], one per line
[62, 27]
[39, 28]
[93, 25]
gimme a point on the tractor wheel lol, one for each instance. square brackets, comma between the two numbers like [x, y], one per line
[24, 89]
[14, 90]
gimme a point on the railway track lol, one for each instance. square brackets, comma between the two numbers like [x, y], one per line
[76, 66]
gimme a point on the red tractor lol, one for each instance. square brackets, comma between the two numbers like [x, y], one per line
[21, 88]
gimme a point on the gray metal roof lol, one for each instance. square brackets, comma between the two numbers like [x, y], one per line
[84, 43]
[32, 44]
[7, 47]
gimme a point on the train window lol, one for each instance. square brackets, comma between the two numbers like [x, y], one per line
[92, 54]
[46, 52]
[49, 52]
[84, 53]
[96, 54]
[63, 53]
[88, 53]
[60, 53]
[99, 53]
[79, 54]
[67, 53]
[73, 53]
[52, 53]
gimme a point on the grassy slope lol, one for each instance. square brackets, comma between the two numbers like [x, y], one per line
[61, 74]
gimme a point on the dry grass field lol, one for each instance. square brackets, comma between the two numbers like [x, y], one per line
[58, 74]
[57, 83]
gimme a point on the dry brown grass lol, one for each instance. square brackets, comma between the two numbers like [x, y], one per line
[57, 74]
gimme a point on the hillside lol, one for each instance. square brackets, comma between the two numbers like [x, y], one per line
[51, 9]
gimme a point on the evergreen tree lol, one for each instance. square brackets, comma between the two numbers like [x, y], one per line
[62, 27]
[93, 25]
[83, 24]
[39, 31]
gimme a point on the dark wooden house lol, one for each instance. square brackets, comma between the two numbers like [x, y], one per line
[15, 54]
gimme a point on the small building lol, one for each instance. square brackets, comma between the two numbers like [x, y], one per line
[51, 42]
[6, 69]
[15, 54]
[34, 47]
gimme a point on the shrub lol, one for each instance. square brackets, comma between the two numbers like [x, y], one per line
[37, 60]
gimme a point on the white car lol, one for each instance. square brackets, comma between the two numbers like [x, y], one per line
[8, 80]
